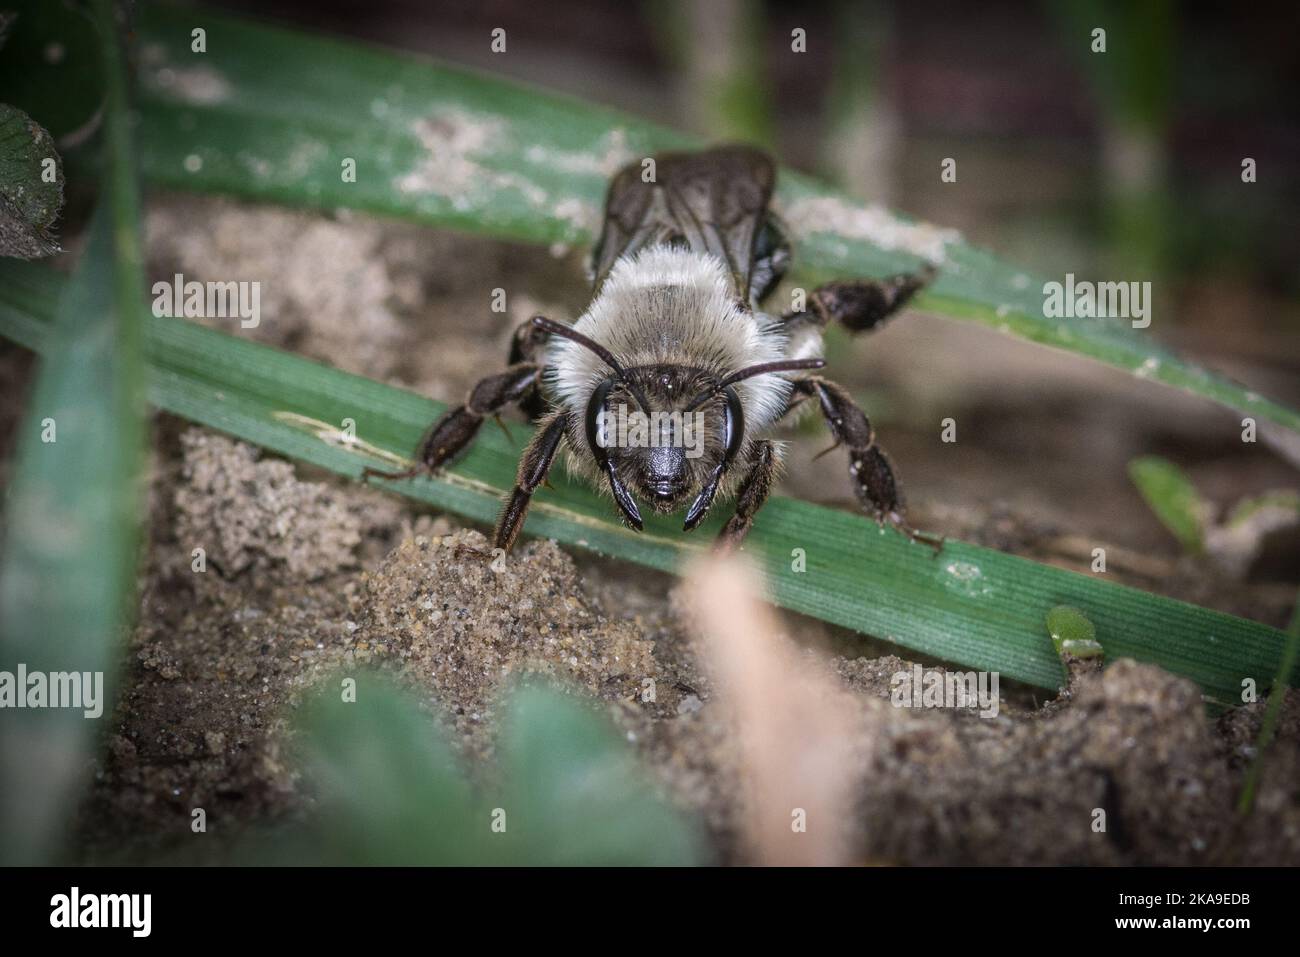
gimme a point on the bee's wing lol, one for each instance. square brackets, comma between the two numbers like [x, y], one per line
[714, 201]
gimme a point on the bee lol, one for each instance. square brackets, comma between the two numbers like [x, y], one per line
[675, 341]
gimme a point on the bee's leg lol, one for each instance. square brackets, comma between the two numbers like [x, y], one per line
[873, 477]
[753, 493]
[458, 425]
[771, 258]
[533, 467]
[526, 346]
[862, 304]
[453, 431]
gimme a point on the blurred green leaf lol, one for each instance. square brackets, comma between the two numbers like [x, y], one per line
[575, 794]
[1174, 499]
[390, 791]
[64, 578]
[256, 117]
[971, 605]
[1134, 79]
[1284, 500]
[68, 565]
[717, 53]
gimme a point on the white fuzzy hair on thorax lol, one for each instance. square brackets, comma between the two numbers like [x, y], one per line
[668, 305]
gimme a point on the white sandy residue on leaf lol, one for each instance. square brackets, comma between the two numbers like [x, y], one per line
[455, 141]
[581, 216]
[200, 85]
[303, 160]
[1149, 367]
[967, 579]
[874, 223]
[607, 159]
[256, 165]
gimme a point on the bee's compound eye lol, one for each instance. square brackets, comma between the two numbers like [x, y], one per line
[595, 420]
[733, 424]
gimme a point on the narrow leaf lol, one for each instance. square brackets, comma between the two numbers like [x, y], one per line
[68, 565]
[1173, 498]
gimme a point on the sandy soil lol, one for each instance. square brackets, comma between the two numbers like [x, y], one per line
[333, 578]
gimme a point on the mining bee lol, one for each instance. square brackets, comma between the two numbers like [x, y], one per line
[675, 339]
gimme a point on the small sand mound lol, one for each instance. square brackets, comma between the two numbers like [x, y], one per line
[459, 622]
[248, 512]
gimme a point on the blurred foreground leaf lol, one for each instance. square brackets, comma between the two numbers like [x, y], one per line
[391, 791]
[574, 794]
[68, 566]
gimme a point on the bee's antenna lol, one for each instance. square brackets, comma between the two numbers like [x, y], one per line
[782, 365]
[568, 332]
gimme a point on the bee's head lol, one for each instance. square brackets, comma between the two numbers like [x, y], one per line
[643, 425]
[668, 432]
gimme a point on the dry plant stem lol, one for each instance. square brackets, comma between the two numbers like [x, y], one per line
[793, 723]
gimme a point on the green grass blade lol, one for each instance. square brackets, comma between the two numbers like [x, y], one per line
[69, 558]
[1173, 498]
[1272, 713]
[256, 117]
[971, 605]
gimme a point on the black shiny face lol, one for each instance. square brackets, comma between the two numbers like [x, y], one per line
[663, 435]
[664, 475]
